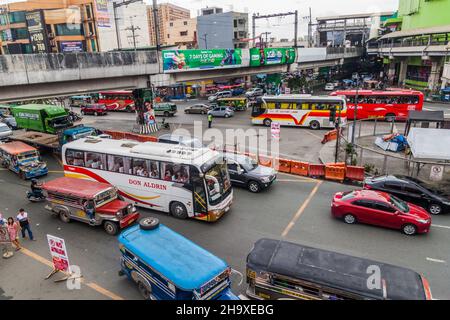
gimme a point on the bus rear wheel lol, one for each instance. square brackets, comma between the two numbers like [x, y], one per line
[314, 125]
[390, 117]
[267, 122]
[178, 210]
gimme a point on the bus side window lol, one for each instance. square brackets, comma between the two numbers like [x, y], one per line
[277, 105]
[95, 160]
[75, 158]
[153, 169]
[118, 164]
[305, 106]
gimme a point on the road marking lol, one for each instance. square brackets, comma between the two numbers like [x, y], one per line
[440, 226]
[301, 209]
[436, 260]
[56, 171]
[91, 285]
[296, 180]
[314, 135]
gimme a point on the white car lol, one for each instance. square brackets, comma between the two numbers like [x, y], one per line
[219, 95]
[5, 131]
[329, 87]
[255, 92]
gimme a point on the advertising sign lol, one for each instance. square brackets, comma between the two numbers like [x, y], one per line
[59, 254]
[72, 46]
[36, 29]
[191, 60]
[102, 14]
[271, 56]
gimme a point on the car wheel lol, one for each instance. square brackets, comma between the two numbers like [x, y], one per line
[148, 223]
[144, 291]
[166, 114]
[254, 186]
[111, 228]
[267, 122]
[186, 111]
[82, 112]
[227, 115]
[203, 112]
[390, 117]
[409, 229]
[349, 219]
[314, 125]
[96, 113]
[129, 109]
[22, 175]
[178, 210]
[434, 209]
[64, 216]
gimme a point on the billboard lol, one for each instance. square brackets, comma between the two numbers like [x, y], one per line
[102, 13]
[37, 30]
[271, 56]
[72, 46]
[192, 60]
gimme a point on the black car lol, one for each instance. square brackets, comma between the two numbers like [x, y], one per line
[411, 190]
[246, 172]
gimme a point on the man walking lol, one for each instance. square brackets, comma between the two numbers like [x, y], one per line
[24, 222]
[210, 117]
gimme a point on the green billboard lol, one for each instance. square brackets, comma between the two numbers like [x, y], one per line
[270, 56]
[190, 60]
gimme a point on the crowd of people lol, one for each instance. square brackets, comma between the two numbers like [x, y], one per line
[21, 224]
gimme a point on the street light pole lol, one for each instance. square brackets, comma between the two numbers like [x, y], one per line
[355, 112]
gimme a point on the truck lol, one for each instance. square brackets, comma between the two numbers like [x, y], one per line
[41, 117]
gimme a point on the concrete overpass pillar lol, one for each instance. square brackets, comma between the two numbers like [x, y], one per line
[248, 81]
[391, 71]
[402, 72]
[433, 80]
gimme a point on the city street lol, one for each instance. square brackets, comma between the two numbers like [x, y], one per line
[294, 208]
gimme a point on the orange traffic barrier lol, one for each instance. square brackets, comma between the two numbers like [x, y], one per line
[355, 173]
[336, 164]
[300, 168]
[330, 135]
[265, 161]
[116, 135]
[316, 170]
[284, 165]
[335, 173]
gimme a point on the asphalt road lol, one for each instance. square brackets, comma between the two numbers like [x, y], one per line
[274, 213]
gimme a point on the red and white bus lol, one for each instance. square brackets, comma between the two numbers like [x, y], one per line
[117, 100]
[388, 104]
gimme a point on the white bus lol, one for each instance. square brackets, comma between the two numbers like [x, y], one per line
[301, 110]
[183, 181]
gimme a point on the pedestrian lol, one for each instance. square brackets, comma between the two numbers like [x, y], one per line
[24, 222]
[210, 118]
[13, 231]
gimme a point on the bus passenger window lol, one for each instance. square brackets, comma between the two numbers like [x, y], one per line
[277, 105]
[305, 106]
[154, 169]
[116, 164]
[75, 158]
[139, 167]
[95, 160]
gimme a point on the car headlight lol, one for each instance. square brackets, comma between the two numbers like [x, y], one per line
[119, 214]
[422, 220]
[447, 203]
[265, 179]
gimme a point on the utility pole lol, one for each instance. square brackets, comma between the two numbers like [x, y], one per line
[156, 24]
[116, 18]
[266, 44]
[296, 29]
[204, 38]
[257, 16]
[309, 28]
[253, 29]
[133, 34]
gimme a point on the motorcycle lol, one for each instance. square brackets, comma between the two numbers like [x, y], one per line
[74, 117]
[164, 124]
[33, 198]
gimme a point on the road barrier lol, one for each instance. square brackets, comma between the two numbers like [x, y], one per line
[330, 135]
[316, 170]
[284, 165]
[300, 168]
[355, 173]
[265, 161]
[335, 173]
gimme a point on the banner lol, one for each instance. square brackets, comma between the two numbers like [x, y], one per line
[275, 130]
[59, 254]
[71, 46]
[102, 14]
[271, 56]
[190, 60]
[36, 29]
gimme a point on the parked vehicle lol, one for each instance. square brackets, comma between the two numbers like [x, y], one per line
[329, 87]
[236, 104]
[41, 117]
[167, 266]
[246, 172]
[96, 109]
[10, 121]
[22, 159]
[254, 92]
[165, 109]
[221, 112]
[79, 101]
[279, 269]
[220, 94]
[381, 209]
[186, 141]
[237, 91]
[5, 109]
[413, 190]
[67, 197]
[5, 131]
[197, 108]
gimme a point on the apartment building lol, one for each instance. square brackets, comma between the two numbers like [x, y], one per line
[181, 33]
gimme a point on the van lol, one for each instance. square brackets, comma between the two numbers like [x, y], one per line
[165, 109]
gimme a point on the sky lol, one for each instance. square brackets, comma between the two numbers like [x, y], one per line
[284, 27]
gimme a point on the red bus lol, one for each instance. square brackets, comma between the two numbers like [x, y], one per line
[390, 104]
[117, 100]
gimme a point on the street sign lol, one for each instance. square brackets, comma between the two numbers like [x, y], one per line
[36, 29]
[4, 236]
[58, 252]
[287, 90]
[436, 173]
[275, 130]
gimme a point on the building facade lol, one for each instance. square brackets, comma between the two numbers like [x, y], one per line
[415, 53]
[223, 30]
[166, 13]
[36, 26]
[182, 33]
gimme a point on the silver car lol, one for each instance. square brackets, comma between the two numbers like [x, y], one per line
[5, 131]
[221, 112]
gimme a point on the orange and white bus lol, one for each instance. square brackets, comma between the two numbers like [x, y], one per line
[300, 110]
[183, 181]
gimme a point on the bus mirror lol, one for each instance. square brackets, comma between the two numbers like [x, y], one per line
[216, 187]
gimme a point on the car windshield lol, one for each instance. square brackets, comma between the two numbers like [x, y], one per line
[4, 128]
[348, 195]
[27, 155]
[105, 196]
[248, 164]
[399, 204]
[218, 182]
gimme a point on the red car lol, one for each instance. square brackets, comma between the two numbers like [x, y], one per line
[97, 109]
[381, 209]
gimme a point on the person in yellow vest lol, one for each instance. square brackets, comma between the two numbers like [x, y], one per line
[210, 118]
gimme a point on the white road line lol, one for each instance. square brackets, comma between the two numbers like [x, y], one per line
[440, 226]
[436, 260]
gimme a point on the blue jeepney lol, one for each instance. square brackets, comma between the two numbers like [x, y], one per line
[22, 159]
[76, 133]
[167, 266]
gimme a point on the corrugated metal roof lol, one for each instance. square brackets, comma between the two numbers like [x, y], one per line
[416, 32]
[355, 16]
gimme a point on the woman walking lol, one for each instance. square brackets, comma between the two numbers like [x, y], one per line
[13, 230]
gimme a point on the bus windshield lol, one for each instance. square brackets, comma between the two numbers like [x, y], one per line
[218, 182]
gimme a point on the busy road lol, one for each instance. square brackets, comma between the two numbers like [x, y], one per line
[293, 208]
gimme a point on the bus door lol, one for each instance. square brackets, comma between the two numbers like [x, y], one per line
[198, 192]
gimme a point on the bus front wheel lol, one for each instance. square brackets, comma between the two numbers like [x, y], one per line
[178, 210]
[314, 125]
[267, 122]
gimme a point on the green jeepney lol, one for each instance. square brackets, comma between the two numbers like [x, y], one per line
[238, 103]
[41, 117]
